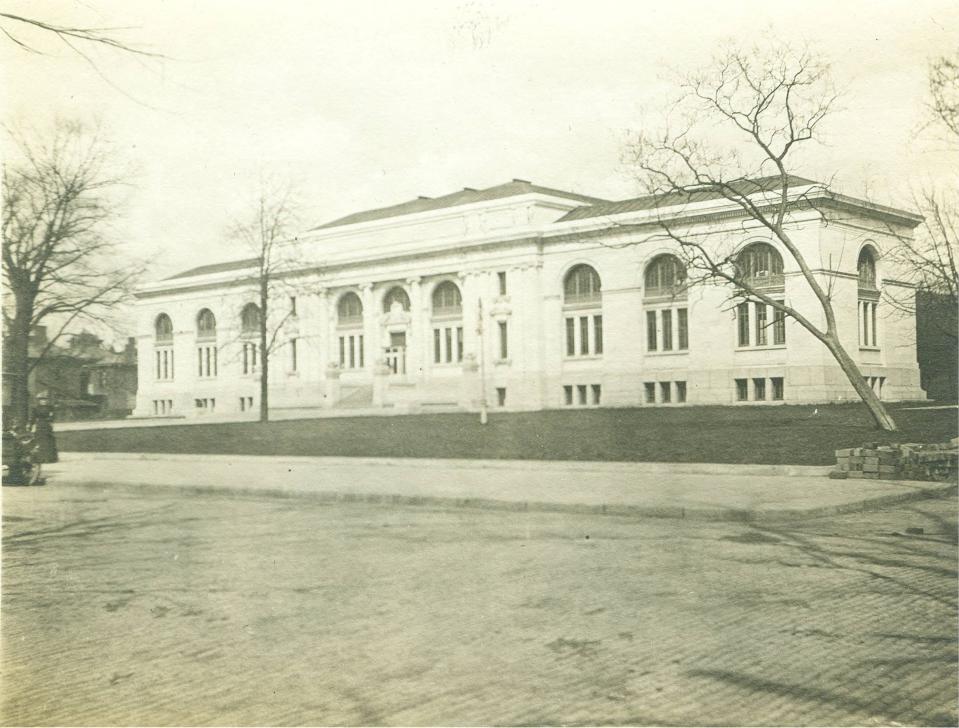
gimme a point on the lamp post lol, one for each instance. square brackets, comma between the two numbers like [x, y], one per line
[484, 418]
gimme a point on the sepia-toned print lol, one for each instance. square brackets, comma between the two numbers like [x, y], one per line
[480, 363]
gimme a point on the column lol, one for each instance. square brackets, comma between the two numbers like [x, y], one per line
[423, 316]
[321, 326]
[372, 352]
[470, 291]
[418, 335]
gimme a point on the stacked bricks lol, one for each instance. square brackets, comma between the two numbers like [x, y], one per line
[908, 461]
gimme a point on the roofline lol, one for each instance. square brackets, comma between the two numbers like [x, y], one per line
[549, 192]
[693, 213]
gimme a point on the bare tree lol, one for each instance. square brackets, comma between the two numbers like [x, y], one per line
[733, 134]
[269, 233]
[944, 91]
[12, 26]
[928, 260]
[60, 264]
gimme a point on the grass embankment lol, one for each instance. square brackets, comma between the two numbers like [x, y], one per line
[787, 435]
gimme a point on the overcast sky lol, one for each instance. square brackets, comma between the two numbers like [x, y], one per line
[371, 104]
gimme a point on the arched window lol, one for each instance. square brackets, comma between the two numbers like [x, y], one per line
[206, 324]
[868, 298]
[206, 350]
[447, 300]
[349, 309]
[760, 264]
[163, 351]
[163, 329]
[667, 324]
[757, 324]
[448, 341]
[866, 268]
[581, 285]
[349, 314]
[583, 325]
[250, 319]
[396, 295]
[665, 276]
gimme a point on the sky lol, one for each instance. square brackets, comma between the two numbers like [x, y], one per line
[374, 103]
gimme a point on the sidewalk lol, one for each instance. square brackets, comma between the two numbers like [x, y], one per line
[699, 491]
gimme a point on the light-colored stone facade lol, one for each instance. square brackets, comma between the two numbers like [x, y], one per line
[509, 251]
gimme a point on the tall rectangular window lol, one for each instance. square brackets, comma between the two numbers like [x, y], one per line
[742, 390]
[665, 392]
[503, 341]
[875, 340]
[568, 394]
[501, 396]
[742, 318]
[650, 388]
[779, 327]
[866, 333]
[584, 335]
[667, 318]
[501, 277]
[293, 361]
[459, 343]
[759, 389]
[570, 337]
[449, 344]
[342, 352]
[352, 348]
[777, 385]
[682, 328]
[680, 391]
[292, 305]
[597, 392]
[760, 324]
[650, 331]
[361, 350]
[437, 346]
[598, 334]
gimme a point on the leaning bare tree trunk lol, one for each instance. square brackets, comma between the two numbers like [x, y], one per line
[264, 353]
[880, 416]
[17, 369]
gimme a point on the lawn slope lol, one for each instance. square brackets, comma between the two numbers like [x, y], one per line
[800, 435]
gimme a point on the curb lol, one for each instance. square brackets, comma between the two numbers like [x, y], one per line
[564, 465]
[620, 510]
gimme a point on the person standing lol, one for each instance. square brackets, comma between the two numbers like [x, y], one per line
[46, 444]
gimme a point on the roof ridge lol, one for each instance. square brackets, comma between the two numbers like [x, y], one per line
[464, 196]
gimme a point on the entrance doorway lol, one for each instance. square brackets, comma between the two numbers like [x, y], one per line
[396, 352]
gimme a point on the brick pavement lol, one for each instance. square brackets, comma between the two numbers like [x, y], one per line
[159, 608]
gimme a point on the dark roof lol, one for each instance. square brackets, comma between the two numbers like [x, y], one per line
[461, 197]
[649, 202]
[216, 268]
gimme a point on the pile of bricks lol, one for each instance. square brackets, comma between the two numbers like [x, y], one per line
[908, 461]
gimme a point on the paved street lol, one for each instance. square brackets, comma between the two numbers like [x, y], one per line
[164, 608]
